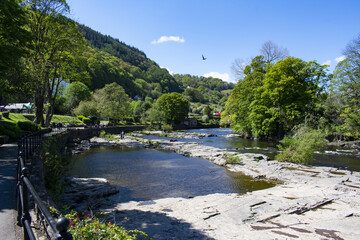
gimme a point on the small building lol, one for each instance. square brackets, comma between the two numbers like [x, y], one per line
[190, 122]
[18, 107]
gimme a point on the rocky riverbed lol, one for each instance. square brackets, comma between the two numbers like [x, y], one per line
[308, 203]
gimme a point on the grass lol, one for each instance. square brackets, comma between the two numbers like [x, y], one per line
[14, 125]
[232, 158]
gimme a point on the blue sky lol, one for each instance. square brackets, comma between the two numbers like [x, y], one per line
[176, 33]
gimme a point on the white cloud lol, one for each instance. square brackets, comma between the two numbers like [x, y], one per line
[328, 62]
[168, 69]
[341, 58]
[224, 76]
[163, 39]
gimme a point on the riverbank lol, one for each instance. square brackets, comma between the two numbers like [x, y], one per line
[309, 203]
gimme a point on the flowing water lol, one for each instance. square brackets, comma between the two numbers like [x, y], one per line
[144, 174]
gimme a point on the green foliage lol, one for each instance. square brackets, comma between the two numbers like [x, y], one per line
[114, 102]
[90, 228]
[206, 110]
[75, 93]
[346, 90]
[205, 119]
[15, 124]
[232, 158]
[301, 147]
[87, 108]
[14, 36]
[28, 126]
[54, 166]
[272, 99]
[6, 114]
[174, 106]
[86, 120]
[66, 120]
[10, 129]
[166, 127]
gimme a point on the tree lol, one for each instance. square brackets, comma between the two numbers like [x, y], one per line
[75, 93]
[346, 83]
[272, 52]
[56, 41]
[15, 37]
[287, 95]
[87, 108]
[14, 41]
[271, 100]
[112, 102]
[238, 103]
[206, 110]
[174, 106]
[194, 94]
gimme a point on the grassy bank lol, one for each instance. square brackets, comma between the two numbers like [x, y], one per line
[14, 125]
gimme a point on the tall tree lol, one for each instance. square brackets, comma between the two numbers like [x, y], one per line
[272, 52]
[75, 93]
[113, 102]
[174, 106]
[271, 100]
[238, 103]
[56, 41]
[14, 40]
[346, 84]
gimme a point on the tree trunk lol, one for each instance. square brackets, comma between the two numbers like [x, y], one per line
[39, 106]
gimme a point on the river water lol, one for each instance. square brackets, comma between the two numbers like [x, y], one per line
[148, 174]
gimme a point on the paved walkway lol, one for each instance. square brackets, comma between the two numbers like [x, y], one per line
[8, 162]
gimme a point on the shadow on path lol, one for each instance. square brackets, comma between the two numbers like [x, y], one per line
[8, 162]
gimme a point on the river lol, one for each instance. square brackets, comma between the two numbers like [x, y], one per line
[148, 174]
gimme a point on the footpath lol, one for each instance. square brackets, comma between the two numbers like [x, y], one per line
[8, 162]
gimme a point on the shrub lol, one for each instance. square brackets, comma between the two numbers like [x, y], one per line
[167, 127]
[28, 126]
[89, 228]
[301, 147]
[6, 114]
[205, 119]
[10, 129]
[231, 158]
[86, 120]
[54, 166]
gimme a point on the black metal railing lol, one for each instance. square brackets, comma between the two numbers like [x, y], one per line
[27, 146]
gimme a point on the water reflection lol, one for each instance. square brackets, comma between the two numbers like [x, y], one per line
[144, 174]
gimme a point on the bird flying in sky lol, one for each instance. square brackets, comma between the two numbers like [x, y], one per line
[203, 58]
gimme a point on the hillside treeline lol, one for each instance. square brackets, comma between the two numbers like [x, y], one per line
[43, 52]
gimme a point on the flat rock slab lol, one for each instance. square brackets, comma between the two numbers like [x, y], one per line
[83, 194]
[309, 203]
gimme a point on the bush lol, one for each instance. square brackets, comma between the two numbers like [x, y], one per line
[6, 114]
[205, 119]
[89, 228]
[86, 120]
[167, 127]
[10, 129]
[54, 166]
[301, 147]
[28, 126]
[232, 158]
